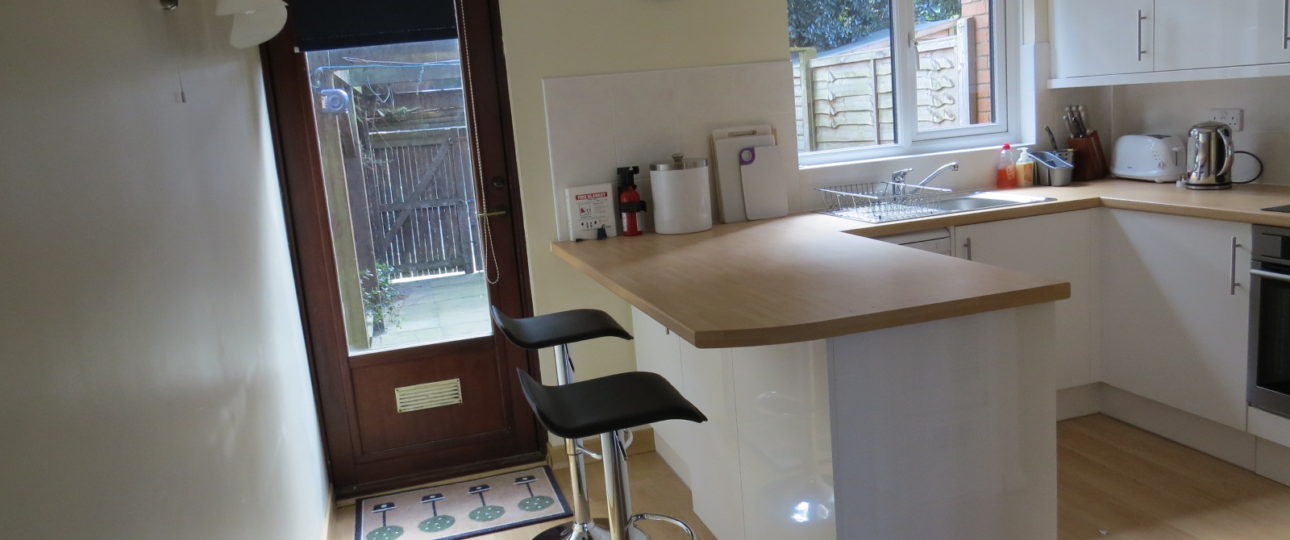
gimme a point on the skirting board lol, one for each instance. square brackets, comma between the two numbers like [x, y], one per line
[642, 443]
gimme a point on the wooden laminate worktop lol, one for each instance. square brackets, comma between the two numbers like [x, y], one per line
[1241, 203]
[800, 278]
[797, 278]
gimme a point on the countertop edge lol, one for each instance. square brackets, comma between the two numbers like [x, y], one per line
[811, 331]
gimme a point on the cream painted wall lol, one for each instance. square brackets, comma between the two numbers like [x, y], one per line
[1172, 108]
[154, 381]
[582, 37]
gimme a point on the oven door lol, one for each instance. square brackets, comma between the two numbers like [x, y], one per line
[1269, 377]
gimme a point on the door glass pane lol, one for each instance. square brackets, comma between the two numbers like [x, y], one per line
[955, 79]
[396, 160]
[841, 53]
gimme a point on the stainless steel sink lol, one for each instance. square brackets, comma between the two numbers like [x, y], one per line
[979, 202]
[964, 204]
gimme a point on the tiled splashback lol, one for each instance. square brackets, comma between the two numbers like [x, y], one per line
[598, 123]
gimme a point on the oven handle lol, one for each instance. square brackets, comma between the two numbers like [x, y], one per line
[1270, 275]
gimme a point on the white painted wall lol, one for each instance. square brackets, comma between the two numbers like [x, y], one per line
[154, 381]
[1172, 108]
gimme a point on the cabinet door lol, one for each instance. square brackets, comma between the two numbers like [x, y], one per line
[714, 459]
[659, 351]
[1190, 34]
[1174, 328]
[1101, 37]
[1056, 246]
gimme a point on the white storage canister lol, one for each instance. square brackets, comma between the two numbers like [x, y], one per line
[682, 195]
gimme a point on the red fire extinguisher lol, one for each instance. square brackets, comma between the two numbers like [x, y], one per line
[630, 204]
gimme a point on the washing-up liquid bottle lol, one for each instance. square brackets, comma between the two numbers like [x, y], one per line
[630, 204]
[1005, 169]
[1025, 169]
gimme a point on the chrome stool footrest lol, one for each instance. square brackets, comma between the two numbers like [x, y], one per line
[666, 519]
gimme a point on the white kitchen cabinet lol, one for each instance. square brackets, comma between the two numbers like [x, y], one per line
[659, 351]
[1102, 37]
[1244, 32]
[1175, 311]
[1055, 246]
[705, 456]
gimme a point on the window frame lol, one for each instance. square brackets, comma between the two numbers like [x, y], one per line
[1005, 43]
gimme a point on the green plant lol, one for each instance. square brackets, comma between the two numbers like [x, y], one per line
[381, 298]
[828, 24]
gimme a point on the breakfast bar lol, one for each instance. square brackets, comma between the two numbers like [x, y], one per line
[855, 388]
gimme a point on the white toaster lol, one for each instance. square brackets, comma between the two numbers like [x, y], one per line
[1155, 158]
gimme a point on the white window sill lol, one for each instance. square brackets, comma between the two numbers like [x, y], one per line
[901, 153]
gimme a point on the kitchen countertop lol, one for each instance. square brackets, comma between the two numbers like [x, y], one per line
[796, 279]
[792, 279]
[1241, 203]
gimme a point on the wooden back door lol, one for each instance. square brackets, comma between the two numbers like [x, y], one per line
[398, 170]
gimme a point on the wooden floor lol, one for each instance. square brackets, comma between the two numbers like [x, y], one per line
[1114, 481]
[1131, 484]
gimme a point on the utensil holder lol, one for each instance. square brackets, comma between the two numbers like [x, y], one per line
[1053, 170]
[1090, 159]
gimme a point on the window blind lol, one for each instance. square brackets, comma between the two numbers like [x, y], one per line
[334, 24]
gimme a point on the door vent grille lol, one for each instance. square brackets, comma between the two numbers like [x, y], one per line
[427, 395]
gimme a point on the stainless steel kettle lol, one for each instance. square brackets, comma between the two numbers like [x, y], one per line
[1209, 156]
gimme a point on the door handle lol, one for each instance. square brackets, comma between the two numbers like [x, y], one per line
[1141, 18]
[967, 247]
[1232, 283]
[1285, 24]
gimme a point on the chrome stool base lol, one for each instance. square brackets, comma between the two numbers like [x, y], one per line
[568, 531]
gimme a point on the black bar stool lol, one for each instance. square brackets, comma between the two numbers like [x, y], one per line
[605, 406]
[559, 330]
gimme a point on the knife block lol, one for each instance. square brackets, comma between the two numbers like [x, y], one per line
[1090, 159]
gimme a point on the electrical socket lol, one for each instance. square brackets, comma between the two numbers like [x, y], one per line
[1231, 117]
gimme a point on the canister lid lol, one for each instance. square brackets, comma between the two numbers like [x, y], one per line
[679, 162]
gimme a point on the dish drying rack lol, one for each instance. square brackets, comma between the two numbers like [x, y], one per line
[880, 202]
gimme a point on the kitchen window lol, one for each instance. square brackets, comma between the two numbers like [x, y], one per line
[882, 78]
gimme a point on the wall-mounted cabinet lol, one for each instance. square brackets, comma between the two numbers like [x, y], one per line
[1104, 42]
[1101, 37]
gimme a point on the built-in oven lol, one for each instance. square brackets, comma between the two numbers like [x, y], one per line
[1269, 377]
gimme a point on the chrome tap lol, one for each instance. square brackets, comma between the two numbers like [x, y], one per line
[953, 166]
[898, 181]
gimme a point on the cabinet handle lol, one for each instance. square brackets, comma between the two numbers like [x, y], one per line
[1285, 24]
[967, 247]
[1141, 18]
[1232, 276]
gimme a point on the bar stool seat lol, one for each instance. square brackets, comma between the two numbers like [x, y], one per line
[607, 404]
[559, 328]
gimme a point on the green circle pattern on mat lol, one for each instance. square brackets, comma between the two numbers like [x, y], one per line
[436, 524]
[385, 533]
[535, 503]
[487, 513]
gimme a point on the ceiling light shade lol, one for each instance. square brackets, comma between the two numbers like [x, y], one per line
[254, 21]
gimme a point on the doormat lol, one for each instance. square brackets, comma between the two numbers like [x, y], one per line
[462, 509]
